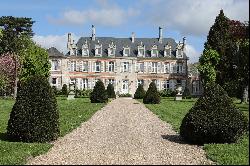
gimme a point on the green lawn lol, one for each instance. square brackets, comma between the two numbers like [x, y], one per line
[224, 154]
[72, 114]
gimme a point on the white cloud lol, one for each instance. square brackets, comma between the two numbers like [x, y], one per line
[57, 41]
[193, 17]
[106, 15]
[192, 53]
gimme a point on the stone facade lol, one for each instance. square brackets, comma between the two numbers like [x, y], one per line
[124, 62]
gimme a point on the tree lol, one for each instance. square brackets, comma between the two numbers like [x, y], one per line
[64, 90]
[140, 92]
[110, 91]
[152, 95]
[213, 119]
[34, 116]
[99, 94]
[207, 65]
[12, 29]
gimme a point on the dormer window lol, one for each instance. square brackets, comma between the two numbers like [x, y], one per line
[167, 50]
[141, 50]
[85, 49]
[154, 51]
[111, 49]
[126, 51]
[98, 49]
[179, 51]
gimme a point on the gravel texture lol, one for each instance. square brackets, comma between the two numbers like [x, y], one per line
[123, 132]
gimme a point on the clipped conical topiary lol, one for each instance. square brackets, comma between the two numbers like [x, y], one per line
[64, 90]
[140, 92]
[99, 94]
[213, 119]
[34, 116]
[152, 95]
[110, 91]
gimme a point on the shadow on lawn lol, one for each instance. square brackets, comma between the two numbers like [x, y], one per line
[3, 137]
[175, 138]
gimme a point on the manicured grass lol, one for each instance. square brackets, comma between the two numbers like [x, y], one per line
[224, 154]
[72, 114]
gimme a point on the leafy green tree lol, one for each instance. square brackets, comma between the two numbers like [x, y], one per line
[34, 61]
[152, 95]
[140, 92]
[207, 65]
[99, 94]
[110, 91]
[34, 116]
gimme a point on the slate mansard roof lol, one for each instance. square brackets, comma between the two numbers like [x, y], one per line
[123, 42]
[53, 52]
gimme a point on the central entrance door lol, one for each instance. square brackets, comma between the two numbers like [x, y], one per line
[125, 86]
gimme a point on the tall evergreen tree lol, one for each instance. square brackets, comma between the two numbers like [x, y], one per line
[140, 92]
[110, 91]
[152, 95]
[99, 94]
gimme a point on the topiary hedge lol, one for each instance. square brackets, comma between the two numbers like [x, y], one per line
[99, 94]
[64, 90]
[152, 96]
[110, 91]
[34, 116]
[140, 92]
[213, 119]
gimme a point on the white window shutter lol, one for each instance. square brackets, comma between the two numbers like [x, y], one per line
[107, 66]
[89, 66]
[102, 66]
[115, 67]
[149, 67]
[69, 66]
[171, 67]
[162, 67]
[130, 67]
[81, 66]
[175, 67]
[136, 67]
[89, 83]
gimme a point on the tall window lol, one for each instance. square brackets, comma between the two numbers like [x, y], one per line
[55, 65]
[85, 66]
[166, 85]
[85, 52]
[154, 51]
[54, 81]
[140, 67]
[166, 67]
[98, 49]
[84, 83]
[179, 67]
[154, 67]
[125, 66]
[141, 52]
[111, 66]
[98, 66]
[73, 66]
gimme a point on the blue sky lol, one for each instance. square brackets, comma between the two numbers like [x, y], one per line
[118, 18]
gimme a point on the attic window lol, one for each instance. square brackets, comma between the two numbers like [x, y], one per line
[126, 51]
[85, 49]
[111, 49]
[167, 50]
[141, 50]
[179, 51]
[98, 49]
[154, 51]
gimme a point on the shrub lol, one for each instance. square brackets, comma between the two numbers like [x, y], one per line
[173, 93]
[54, 90]
[110, 91]
[87, 92]
[99, 94]
[34, 116]
[152, 95]
[213, 119]
[64, 90]
[140, 92]
[186, 93]
[125, 95]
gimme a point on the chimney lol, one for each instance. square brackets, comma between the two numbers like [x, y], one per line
[133, 37]
[93, 32]
[184, 40]
[160, 35]
[69, 41]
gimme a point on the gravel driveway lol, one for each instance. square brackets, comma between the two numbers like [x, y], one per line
[123, 132]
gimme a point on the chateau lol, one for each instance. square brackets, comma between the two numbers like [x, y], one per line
[124, 62]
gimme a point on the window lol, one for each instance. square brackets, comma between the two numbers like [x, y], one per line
[55, 65]
[98, 49]
[126, 51]
[84, 83]
[111, 66]
[154, 67]
[125, 66]
[166, 67]
[72, 81]
[54, 81]
[73, 66]
[140, 82]
[195, 86]
[166, 85]
[154, 53]
[141, 67]
[85, 66]
[141, 52]
[111, 51]
[179, 67]
[85, 52]
[97, 66]
[167, 50]
[111, 81]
